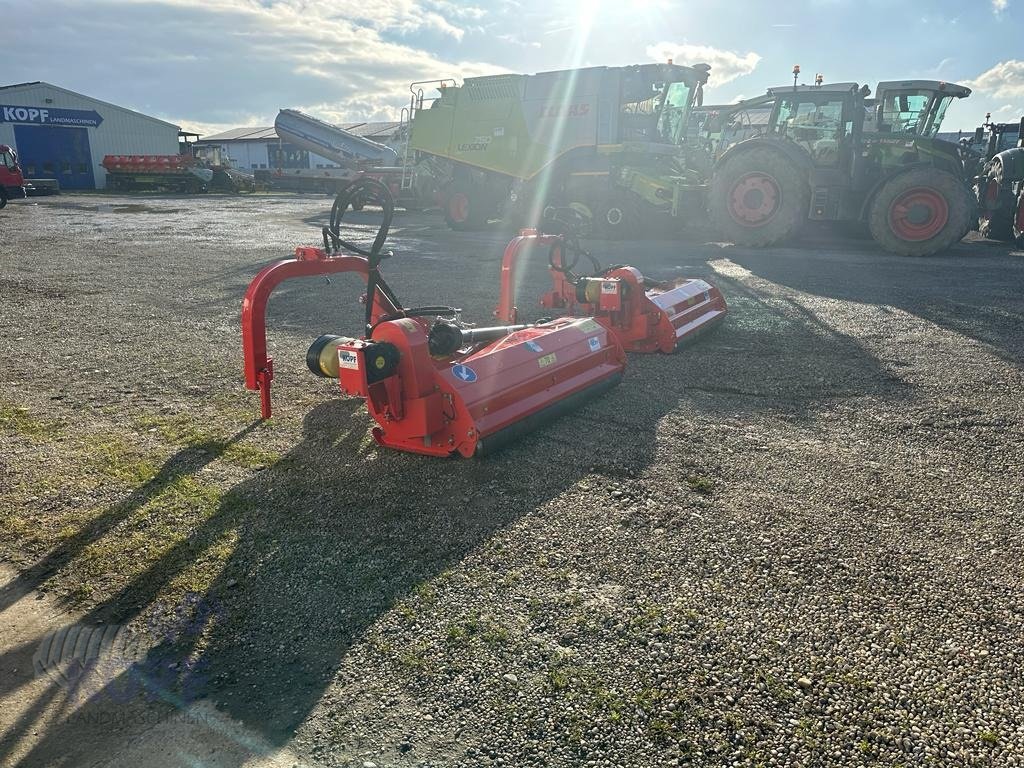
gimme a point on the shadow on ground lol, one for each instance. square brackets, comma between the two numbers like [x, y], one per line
[937, 294]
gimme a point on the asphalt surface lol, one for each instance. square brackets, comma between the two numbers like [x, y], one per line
[798, 542]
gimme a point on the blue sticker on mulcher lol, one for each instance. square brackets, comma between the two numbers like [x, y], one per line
[464, 373]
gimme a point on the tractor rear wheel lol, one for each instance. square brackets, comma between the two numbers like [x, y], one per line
[759, 197]
[997, 223]
[996, 205]
[1017, 219]
[464, 208]
[920, 212]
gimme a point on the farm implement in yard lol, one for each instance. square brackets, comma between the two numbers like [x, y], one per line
[644, 315]
[434, 384]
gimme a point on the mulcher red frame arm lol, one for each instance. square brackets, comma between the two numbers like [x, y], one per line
[507, 312]
[308, 262]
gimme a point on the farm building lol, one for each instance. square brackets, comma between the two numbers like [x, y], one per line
[63, 135]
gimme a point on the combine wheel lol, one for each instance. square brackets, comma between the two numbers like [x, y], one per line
[759, 198]
[464, 209]
[920, 212]
[615, 219]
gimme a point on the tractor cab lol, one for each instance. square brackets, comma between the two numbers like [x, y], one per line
[823, 120]
[912, 107]
[12, 182]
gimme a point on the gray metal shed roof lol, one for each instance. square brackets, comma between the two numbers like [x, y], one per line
[44, 84]
[261, 133]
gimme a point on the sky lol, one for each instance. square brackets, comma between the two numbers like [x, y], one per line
[210, 65]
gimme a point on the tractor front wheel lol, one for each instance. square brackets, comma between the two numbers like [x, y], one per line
[920, 212]
[3, 198]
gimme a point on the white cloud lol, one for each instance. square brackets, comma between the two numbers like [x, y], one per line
[725, 65]
[999, 5]
[236, 62]
[1004, 80]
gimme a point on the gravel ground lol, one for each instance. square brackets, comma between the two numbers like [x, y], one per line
[798, 542]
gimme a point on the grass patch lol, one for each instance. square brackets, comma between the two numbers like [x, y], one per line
[185, 431]
[165, 534]
[117, 460]
[20, 421]
[701, 484]
[481, 628]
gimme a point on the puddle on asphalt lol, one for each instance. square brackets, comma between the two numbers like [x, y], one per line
[134, 208]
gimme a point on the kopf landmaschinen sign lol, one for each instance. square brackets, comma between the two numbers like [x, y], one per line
[66, 117]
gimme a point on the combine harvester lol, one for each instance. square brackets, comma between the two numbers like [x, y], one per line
[645, 316]
[434, 384]
[607, 141]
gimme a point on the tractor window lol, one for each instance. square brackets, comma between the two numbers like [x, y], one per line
[674, 112]
[8, 159]
[818, 127]
[938, 114]
[905, 112]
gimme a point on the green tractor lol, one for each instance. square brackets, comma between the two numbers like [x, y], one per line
[605, 141]
[999, 184]
[831, 153]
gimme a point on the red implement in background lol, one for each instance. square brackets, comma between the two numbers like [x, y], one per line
[645, 316]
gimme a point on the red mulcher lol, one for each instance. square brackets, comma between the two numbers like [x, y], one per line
[645, 316]
[433, 384]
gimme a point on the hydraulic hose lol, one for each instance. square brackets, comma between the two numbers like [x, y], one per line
[565, 222]
[361, 192]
